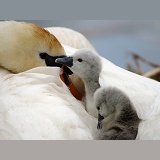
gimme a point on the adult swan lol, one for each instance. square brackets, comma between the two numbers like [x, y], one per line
[36, 104]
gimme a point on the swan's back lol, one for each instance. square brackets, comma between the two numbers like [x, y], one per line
[70, 37]
[143, 92]
[37, 105]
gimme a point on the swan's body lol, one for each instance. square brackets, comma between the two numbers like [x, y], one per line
[23, 115]
[70, 37]
[33, 103]
[36, 104]
[144, 93]
[117, 118]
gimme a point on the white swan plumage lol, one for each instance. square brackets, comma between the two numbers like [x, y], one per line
[36, 104]
[70, 37]
[144, 93]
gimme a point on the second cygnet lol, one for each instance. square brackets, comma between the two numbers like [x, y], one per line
[117, 118]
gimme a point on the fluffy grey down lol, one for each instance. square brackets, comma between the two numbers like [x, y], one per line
[120, 118]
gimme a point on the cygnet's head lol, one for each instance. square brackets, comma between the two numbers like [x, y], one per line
[25, 45]
[107, 100]
[86, 63]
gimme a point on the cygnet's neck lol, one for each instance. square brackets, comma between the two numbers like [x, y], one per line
[91, 85]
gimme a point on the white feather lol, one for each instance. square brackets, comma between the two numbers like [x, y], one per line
[143, 92]
[36, 104]
[70, 37]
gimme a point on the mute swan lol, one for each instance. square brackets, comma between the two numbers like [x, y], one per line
[25, 45]
[35, 103]
[29, 43]
[27, 118]
[116, 112]
[71, 40]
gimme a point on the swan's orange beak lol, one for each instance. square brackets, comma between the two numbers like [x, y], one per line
[66, 79]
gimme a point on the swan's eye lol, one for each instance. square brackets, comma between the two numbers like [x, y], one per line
[43, 55]
[80, 60]
[98, 108]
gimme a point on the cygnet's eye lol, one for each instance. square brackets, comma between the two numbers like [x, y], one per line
[98, 108]
[43, 55]
[80, 60]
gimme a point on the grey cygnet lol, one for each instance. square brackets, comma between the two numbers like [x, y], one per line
[117, 118]
[87, 64]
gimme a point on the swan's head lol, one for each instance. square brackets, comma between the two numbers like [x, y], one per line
[86, 63]
[25, 45]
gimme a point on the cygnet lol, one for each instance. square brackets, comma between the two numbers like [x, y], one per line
[86, 63]
[117, 118]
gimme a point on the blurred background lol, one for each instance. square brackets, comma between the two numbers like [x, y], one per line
[132, 45]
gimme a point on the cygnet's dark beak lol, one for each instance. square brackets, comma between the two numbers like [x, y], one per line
[68, 61]
[100, 118]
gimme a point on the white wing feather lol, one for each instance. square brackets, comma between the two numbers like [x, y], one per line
[36, 104]
[143, 92]
[70, 37]
[28, 100]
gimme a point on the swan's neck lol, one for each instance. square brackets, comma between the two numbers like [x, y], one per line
[90, 87]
